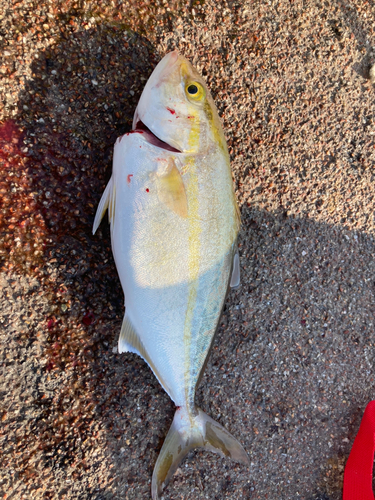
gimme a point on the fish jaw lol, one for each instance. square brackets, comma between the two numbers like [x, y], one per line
[158, 73]
[167, 110]
[157, 105]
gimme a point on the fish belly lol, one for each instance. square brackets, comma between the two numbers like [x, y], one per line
[174, 270]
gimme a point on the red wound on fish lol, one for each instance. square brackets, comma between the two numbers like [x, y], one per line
[129, 178]
[147, 190]
[172, 111]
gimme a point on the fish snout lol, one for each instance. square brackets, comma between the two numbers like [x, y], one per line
[166, 69]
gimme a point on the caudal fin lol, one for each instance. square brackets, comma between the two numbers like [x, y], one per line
[186, 433]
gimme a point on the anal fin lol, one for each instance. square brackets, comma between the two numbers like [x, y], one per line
[129, 341]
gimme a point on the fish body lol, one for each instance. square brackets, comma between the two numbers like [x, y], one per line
[174, 224]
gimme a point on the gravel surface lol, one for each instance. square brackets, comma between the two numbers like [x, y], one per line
[292, 367]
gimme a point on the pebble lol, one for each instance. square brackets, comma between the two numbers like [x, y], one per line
[372, 74]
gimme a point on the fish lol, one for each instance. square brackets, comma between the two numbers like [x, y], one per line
[174, 224]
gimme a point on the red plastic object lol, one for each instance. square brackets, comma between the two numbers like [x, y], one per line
[358, 469]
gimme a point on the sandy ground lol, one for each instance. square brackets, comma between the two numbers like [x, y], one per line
[292, 368]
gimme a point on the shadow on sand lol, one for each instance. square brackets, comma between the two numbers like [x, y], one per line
[296, 341]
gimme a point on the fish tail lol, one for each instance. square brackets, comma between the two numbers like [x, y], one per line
[189, 431]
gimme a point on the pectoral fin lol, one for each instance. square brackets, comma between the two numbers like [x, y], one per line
[106, 201]
[171, 190]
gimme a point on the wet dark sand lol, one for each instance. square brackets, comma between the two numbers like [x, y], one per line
[292, 367]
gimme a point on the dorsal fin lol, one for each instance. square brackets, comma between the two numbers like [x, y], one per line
[112, 205]
[129, 341]
[105, 200]
[236, 278]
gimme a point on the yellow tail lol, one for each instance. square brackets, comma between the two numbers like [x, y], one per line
[186, 433]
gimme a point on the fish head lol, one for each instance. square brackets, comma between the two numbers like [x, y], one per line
[177, 108]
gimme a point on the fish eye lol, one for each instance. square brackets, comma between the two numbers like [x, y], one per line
[192, 89]
[195, 91]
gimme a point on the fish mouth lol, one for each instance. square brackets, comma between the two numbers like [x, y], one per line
[151, 138]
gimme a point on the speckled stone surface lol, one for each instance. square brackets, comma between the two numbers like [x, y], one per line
[292, 367]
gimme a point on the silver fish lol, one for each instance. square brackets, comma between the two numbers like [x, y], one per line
[174, 224]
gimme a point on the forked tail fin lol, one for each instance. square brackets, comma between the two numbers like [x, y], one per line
[187, 432]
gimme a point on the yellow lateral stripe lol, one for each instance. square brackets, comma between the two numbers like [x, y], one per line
[195, 229]
[193, 263]
[194, 224]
